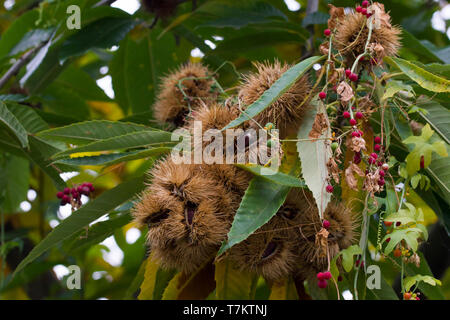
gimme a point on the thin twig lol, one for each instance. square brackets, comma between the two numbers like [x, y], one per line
[103, 3]
[19, 64]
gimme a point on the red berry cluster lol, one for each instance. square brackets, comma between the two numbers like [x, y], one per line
[359, 263]
[322, 278]
[353, 121]
[374, 159]
[351, 76]
[73, 195]
[363, 9]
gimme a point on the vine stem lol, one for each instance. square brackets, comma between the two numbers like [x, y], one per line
[362, 245]
[355, 64]
[3, 256]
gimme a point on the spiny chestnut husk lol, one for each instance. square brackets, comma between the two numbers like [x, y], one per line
[188, 215]
[352, 33]
[269, 251]
[288, 111]
[272, 250]
[217, 117]
[192, 79]
[342, 234]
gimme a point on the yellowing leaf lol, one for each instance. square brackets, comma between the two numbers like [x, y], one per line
[423, 149]
[283, 290]
[148, 285]
[231, 283]
[424, 78]
[109, 110]
[428, 213]
[195, 286]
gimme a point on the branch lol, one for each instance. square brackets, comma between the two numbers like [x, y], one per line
[19, 64]
[103, 3]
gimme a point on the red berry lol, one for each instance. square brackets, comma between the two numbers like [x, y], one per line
[377, 147]
[364, 11]
[85, 190]
[90, 186]
[322, 95]
[381, 173]
[329, 188]
[381, 182]
[374, 155]
[346, 115]
[368, 14]
[75, 195]
[359, 115]
[66, 190]
[422, 162]
[327, 32]
[371, 160]
[320, 276]
[353, 77]
[326, 224]
[348, 72]
[327, 275]
[388, 223]
[359, 9]
[356, 134]
[60, 194]
[398, 224]
[365, 4]
[377, 140]
[79, 189]
[385, 167]
[357, 263]
[322, 284]
[66, 199]
[353, 122]
[388, 240]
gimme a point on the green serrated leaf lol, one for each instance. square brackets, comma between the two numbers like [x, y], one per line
[275, 91]
[274, 176]
[83, 216]
[91, 131]
[253, 213]
[424, 78]
[8, 120]
[126, 141]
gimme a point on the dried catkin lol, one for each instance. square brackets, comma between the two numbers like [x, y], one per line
[182, 91]
[352, 33]
[287, 112]
[188, 215]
